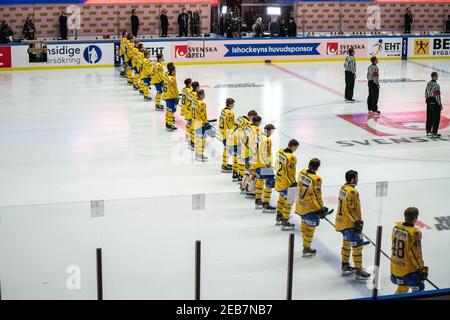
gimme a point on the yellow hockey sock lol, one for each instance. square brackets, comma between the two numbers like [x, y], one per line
[280, 204]
[345, 251]
[158, 99]
[170, 119]
[235, 165]
[401, 289]
[286, 210]
[225, 157]
[307, 233]
[267, 193]
[259, 186]
[357, 256]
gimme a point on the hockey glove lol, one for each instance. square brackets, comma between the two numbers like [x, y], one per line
[359, 225]
[324, 212]
[423, 273]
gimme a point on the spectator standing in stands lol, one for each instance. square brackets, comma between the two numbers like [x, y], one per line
[434, 106]
[164, 23]
[29, 29]
[134, 23]
[447, 25]
[196, 23]
[183, 23]
[274, 27]
[350, 75]
[408, 20]
[258, 28]
[5, 33]
[63, 25]
[292, 28]
[283, 28]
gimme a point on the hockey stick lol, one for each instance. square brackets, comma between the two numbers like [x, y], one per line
[384, 253]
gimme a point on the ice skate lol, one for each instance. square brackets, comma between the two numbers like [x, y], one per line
[309, 252]
[258, 204]
[346, 270]
[287, 226]
[267, 208]
[360, 274]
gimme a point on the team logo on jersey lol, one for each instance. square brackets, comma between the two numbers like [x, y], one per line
[332, 48]
[421, 47]
[92, 54]
[181, 51]
[391, 124]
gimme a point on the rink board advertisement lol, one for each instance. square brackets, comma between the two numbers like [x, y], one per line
[426, 47]
[106, 53]
[54, 55]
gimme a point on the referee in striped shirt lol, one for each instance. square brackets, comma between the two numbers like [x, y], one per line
[350, 75]
[434, 106]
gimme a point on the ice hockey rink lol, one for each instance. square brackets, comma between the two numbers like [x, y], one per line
[68, 137]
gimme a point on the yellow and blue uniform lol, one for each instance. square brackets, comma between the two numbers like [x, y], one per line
[285, 171]
[201, 126]
[135, 64]
[146, 76]
[347, 216]
[158, 81]
[261, 149]
[185, 100]
[171, 96]
[140, 61]
[128, 55]
[242, 122]
[309, 204]
[191, 98]
[406, 258]
[226, 128]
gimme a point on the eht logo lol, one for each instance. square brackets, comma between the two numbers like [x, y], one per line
[332, 48]
[5, 57]
[391, 124]
[181, 51]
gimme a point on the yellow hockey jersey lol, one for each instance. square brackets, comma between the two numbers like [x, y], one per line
[285, 169]
[263, 152]
[310, 193]
[192, 97]
[226, 124]
[146, 68]
[158, 73]
[349, 208]
[122, 45]
[199, 113]
[129, 51]
[170, 90]
[406, 254]
[250, 136]
[185, 99]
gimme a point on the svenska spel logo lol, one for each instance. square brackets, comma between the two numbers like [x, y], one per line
[332, 48]
[181, 51]
[92, 54]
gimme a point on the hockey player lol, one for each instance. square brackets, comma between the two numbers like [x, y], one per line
[285, 169]
[309, 204]
[248, 150]
[171, 96]
[158, 80]
[242, 122]
[226, 127]
[135, 64]
[146, 76]
[189, 114]
[407, 267]
[262, 165]
[350, 224]
[184, 95]
[128, 55]
[201, 125]
[122, 48]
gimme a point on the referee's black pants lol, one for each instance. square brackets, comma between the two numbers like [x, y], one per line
[433, 115]
[349, 85]
[372, 99]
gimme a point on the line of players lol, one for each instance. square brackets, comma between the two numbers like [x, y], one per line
[250, 150]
